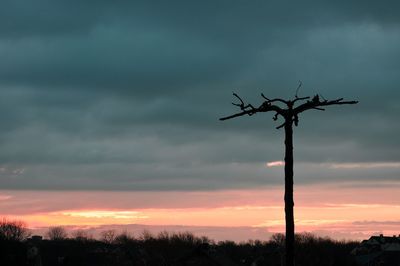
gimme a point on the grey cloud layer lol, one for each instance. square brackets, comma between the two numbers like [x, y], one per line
[127, 96]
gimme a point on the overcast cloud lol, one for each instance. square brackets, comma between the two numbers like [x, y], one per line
[127, 96]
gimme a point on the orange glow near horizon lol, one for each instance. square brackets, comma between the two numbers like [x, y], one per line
[318, 209]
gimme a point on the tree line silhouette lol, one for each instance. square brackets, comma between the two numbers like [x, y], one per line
[79, 247]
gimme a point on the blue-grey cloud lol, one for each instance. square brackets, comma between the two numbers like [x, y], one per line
[127, 95]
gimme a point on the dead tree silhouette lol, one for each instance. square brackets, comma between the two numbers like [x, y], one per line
[290, 114]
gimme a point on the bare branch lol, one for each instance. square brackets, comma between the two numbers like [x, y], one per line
[315, 103]
[274, 100]
[298, 87]
[250, 109]
[262, 109]
[296, 120]
[240, 99]
[237, 115]
[241, 104]
[300, 99]
[281, 126]
[262, 95]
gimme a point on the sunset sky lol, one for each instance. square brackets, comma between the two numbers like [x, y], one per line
[109, 115]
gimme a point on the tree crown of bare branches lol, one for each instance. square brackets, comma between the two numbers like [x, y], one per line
[288, 109]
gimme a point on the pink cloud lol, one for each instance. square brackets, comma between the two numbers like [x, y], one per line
[275, 163]
[326, 208]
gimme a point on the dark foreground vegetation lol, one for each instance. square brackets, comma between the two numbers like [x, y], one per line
[164, 249]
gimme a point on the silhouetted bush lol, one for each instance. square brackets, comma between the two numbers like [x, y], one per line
[108, 236]
[14, 230]
[124, 238]
[57, 233]
[82, 235]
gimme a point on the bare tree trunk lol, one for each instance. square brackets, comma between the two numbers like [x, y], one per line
[289, 203]
[290, 113]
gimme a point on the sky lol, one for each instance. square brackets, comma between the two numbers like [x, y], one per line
[109, 115]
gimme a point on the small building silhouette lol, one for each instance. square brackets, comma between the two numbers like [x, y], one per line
[378, 250]
[35, 238]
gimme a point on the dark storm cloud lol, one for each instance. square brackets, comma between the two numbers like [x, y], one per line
[127, 95]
